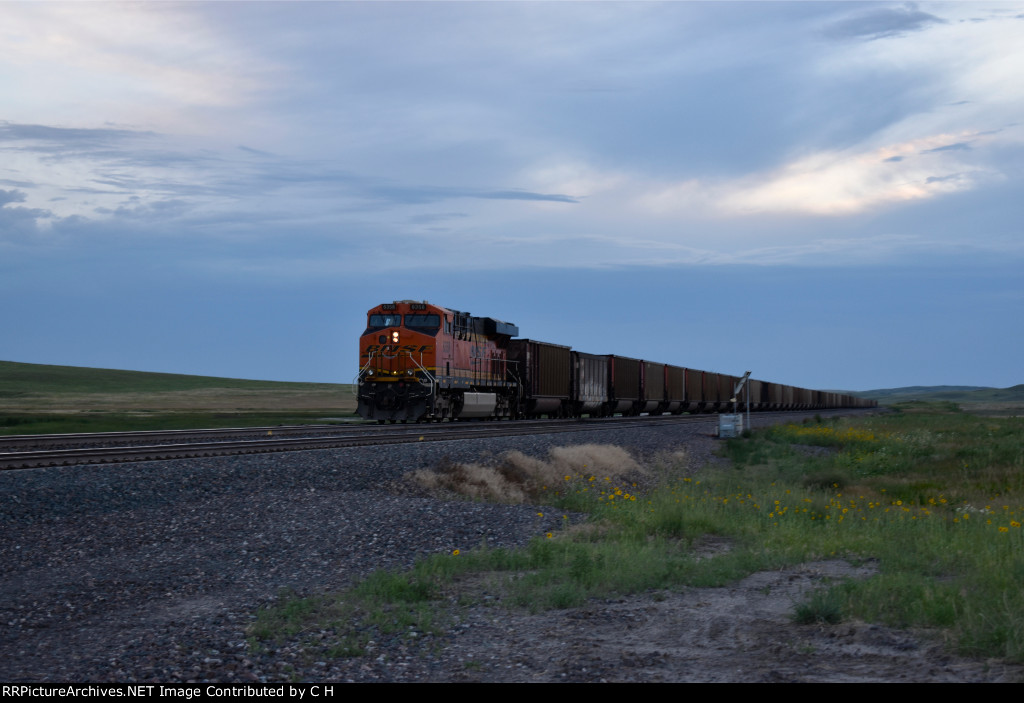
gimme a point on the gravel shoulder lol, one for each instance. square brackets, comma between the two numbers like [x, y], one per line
[152, 571]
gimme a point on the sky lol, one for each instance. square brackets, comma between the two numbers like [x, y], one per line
[827, 194]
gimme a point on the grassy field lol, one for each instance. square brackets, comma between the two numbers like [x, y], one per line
[932, 495]
[36, 398]
[970, 397]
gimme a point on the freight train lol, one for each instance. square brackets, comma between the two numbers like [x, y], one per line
[422, 362]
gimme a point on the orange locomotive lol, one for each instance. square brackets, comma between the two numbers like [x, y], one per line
[424, 362]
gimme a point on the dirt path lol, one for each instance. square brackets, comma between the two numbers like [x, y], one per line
[739, 633]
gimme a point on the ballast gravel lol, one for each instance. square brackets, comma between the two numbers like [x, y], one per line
[151, 572]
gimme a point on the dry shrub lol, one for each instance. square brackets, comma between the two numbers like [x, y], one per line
[674, 461]
[518, 478]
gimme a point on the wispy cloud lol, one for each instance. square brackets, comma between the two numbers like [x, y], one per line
[833, 183]
[956, 146]
[155, 61]
[128, 174]
[11, 196]
[620, 130]
[432, 194]
[882, 22]
[17, 222]
[47, 138]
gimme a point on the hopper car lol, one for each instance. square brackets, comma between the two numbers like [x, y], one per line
[421, 362]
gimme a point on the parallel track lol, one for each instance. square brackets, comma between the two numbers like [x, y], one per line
[116, 447]
[15, 443]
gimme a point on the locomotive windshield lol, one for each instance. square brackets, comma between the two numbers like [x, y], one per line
[427, 324]
[379, 322]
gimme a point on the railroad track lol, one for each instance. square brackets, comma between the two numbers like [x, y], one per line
[38, 451]
[19, 443]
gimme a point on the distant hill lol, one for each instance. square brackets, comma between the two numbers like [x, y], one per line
[38, 398]
[956, 394]
[19, 379]
[921, 390]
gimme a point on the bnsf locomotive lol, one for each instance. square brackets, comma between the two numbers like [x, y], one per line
[422, 362]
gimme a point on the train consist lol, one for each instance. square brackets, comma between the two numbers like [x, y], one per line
[422, 362]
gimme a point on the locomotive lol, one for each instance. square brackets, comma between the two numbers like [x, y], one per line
[422, 362]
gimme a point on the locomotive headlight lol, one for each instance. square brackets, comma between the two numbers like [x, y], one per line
[394, 337]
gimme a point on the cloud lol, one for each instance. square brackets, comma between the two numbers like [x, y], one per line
[17, 221]
[882, 22]
[941, 179]
[831, 183]
[142, 61]
[11, 196]
[436, 217]
[46, 138]
[256, 152]
[162, 209]
[492, 128]
[419, 194]
[145, 176]
[958, 146]
[522, 195]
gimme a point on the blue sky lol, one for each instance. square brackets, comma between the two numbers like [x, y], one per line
[827, 194]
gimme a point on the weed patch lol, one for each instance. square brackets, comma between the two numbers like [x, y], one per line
[936, 500]
[822, 607]
[518, 478]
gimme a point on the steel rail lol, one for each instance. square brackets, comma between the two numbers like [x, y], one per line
[355, 436]
[84, 440]
[371, 435]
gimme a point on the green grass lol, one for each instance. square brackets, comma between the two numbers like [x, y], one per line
[57, 423]
[933, 496]
[386, 604]
[39, 399]
[936, 495]
[20, 380]
[824, 607]
[954, 394]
